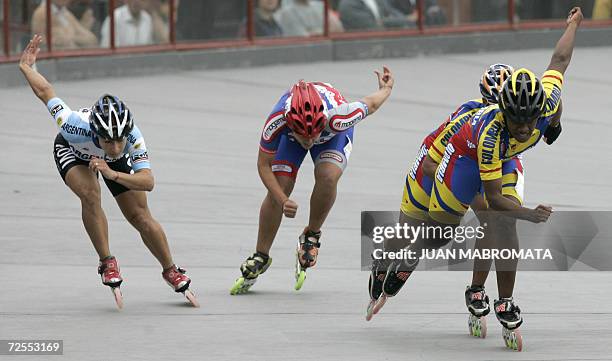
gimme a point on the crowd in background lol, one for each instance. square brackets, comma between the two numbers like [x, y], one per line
[78, 24]
[85, 23]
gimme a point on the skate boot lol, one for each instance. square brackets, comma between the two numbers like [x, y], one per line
[375, 285]
[395, 278]
[176, 278]
[306, 255]
[254, 266]
[509, 315]
[477, 303]
[108, 269]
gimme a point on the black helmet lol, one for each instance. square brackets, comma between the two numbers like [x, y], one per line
[110, 118]
[522, 97]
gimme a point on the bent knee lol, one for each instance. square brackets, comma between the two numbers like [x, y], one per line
[328, 178]
[89, 197]
[142, 221]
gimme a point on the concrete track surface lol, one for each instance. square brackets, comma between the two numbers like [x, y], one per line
[202, 130]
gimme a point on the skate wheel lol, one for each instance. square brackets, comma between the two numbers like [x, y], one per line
[191, 298]
[242, 285]
[370, 310]
[118, 296]
[299, 280]
[382, 299]
[519, 341]
[237, 287]
[483, 327]
[477, 326]
[513, 339]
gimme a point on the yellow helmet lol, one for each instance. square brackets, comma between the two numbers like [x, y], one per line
[522, 97]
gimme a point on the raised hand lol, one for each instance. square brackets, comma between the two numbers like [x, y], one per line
[575, 16]
[28, 57]
[385, 80]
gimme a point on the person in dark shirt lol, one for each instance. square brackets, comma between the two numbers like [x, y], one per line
[265, 24]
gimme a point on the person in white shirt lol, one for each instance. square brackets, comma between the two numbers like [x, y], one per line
[305, 18]
[133, 25]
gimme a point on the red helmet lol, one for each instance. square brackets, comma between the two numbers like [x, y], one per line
[306, 114]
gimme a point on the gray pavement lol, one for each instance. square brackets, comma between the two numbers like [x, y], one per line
[202, 129]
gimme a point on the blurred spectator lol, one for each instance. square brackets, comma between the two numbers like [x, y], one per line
[1, 24]
[335, 25]
[133, 25]
[333, 4]
[265, 24]
[489, 11]
[84, 12]
[541, 9]
[433, 13]
[160, 17]
[551, 9]
[602, 9]
[196, 19]
[229, 18]
[372, 14]
[305, 18]
[66, 31]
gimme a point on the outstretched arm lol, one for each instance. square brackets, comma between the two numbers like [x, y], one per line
[565, 46]
[385, 84]
[41, 87]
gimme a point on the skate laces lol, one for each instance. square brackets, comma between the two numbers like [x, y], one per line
[398, 273]
[257, 259]
[175, 275]
[477, 295]
[309, 242]
[507, 307]
[402, 275]
[254, 265]
[311, 239]
[309, 248]
[108, 267]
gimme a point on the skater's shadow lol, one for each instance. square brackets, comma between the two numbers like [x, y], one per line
[185, 304]
[263, 293]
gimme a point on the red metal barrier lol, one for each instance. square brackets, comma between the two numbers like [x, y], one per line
[251, 38]
[511, 7]
[420, 9]
[250, 20]
[326, 18]
[5, 28]
[49, 27]
[111, 20]
[172, 16]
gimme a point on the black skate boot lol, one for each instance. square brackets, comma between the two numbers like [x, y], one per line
[306, 255]
[509, 315]
[396, 276]
[254, 266]
[375, 285]
[477, 303]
